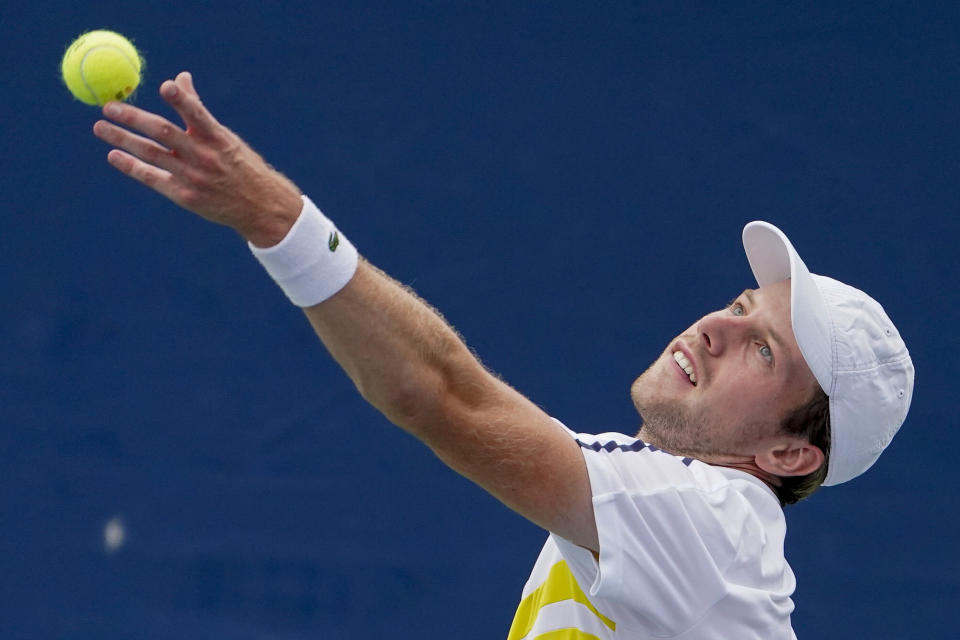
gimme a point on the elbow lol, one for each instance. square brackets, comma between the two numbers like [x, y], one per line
[403, 394]
[410, 400]
[418, 398]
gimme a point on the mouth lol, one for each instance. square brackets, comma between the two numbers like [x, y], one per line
[683, 361]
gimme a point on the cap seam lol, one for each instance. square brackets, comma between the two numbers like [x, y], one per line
[873, 367]
[834, 358]
[838, 448]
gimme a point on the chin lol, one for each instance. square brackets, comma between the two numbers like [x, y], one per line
[642, 401]
[666, 422]
[640, 390]
[635, 394]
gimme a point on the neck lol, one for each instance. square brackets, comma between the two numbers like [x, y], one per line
[744, 463]
[768, 478]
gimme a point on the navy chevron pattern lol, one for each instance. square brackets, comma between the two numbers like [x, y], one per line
[635, 446]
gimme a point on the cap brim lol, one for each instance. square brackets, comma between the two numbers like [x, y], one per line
[773, 259]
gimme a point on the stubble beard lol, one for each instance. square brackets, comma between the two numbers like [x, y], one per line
[666, 424]
[673, 427]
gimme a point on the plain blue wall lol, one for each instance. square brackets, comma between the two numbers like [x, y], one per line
[565, 181]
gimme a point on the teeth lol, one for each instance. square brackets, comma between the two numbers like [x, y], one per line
[685, 365]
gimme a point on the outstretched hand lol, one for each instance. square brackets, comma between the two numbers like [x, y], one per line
[205, 168]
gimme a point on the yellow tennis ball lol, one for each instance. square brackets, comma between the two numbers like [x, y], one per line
[101, 66]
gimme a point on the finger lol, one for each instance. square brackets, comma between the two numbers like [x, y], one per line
[182, 96]
[151, 125]
[159, 180]
[139, 146]
[185, 80]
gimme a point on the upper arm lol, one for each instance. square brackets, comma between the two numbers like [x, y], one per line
[506, 444]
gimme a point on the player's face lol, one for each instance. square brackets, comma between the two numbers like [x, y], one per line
[748, 373]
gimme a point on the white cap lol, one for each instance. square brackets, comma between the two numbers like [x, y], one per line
[850, 345]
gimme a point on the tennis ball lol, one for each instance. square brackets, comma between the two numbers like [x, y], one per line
[101, 66]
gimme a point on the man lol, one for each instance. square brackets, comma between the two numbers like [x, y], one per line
[675, 534]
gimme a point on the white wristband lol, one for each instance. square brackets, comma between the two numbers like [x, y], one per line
[313, 261]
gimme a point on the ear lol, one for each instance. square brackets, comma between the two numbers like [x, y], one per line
[790, 457]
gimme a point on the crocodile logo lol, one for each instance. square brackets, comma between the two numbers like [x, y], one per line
[333, 241]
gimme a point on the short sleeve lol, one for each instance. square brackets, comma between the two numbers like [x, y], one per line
[663, 546]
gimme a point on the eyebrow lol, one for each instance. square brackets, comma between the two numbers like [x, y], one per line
[773, 334]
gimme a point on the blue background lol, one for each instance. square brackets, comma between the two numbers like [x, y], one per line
[565, 181]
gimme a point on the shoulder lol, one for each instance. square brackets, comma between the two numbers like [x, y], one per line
[618, 463]
[630, 464]
[677, 536]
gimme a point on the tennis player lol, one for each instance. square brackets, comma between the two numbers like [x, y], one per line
[801, 381]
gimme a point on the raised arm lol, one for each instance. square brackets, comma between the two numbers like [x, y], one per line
[400, 353]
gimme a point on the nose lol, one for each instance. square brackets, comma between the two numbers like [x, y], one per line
[718, 331]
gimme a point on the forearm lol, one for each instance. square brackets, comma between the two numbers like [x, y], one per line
[400, 353]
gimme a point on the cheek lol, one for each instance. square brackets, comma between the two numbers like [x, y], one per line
[742, 396]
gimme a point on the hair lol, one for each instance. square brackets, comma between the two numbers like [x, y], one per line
[811, 421]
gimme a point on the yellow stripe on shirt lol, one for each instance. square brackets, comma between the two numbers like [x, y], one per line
[560, 585]
[566, 634]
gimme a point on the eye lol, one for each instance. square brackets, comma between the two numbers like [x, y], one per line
[737, 309]
[767, 353]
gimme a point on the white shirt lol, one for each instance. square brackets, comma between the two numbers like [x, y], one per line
[687, 551]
